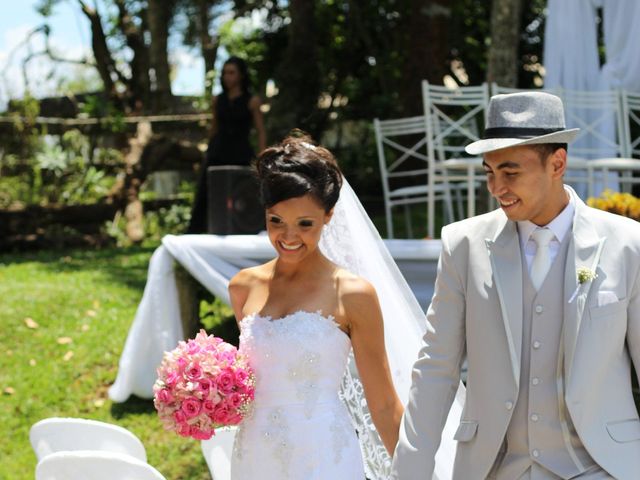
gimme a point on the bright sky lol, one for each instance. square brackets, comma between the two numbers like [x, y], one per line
[71, 38]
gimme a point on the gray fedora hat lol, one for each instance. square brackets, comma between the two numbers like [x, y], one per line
[523, 118]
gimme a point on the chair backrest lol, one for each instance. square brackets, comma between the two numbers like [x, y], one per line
[498, 90]
[599, 117]
[217, 453]
[631, 119]
[401, 147]
[92, 465]
[67, 434]
[454, 118]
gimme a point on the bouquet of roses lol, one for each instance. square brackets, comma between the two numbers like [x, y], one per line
[203, 384]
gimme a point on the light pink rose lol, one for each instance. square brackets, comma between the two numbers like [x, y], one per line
[172, 379]
[164, 396]
[193, 372]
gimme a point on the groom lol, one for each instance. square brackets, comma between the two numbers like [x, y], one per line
[542, 298]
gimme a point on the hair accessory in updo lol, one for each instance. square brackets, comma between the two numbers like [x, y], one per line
[294, 168]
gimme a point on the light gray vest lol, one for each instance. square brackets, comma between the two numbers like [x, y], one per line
[535, 433]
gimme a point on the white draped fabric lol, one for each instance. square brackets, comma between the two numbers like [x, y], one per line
[571, 62]
[213, 260]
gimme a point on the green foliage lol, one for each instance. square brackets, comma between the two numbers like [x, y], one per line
[172, 220]
[68, 314]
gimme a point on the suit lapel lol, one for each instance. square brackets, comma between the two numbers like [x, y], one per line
[584, 251]
[506, 265]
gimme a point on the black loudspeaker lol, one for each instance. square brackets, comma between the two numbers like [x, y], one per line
[233, 201]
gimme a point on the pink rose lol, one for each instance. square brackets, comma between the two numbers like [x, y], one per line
[204, 385]
[234, 400]
[221, 415]
[208, 406]
[241, 376]
[179, 416]
[191, 407]
[226, 380]
[198, 434]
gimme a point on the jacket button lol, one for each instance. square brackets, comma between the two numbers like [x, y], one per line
[539, 308]
[508, 405]
[534, 417]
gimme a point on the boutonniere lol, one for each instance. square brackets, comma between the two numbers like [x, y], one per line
[584, 275]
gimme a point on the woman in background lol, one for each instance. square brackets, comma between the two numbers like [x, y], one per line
[235, 111]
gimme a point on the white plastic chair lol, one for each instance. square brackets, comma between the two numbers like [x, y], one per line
[404, 168]
[92, 465]
[453, 118]
[217, 453]
[55, 434]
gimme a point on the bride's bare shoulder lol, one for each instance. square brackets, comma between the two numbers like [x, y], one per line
[248, 277]
[354, 288]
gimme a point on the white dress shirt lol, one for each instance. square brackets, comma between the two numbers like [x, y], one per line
[560, 225]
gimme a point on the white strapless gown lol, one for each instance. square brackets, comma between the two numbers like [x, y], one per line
[299, 428]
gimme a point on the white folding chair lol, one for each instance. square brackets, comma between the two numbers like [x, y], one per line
[453, 119]
[92, 465]
[578, 168]
[404, 168]
[217, 452]
[54, 434]
[631, 120]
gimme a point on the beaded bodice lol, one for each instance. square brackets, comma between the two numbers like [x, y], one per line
[297, 359]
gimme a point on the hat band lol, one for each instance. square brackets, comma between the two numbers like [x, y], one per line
[518, 132]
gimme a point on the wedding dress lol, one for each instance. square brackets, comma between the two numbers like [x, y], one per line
[299, 428]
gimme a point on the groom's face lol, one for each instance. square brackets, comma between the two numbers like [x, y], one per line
[526, 186]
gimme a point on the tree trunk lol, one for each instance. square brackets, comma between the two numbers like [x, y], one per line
[158, 16]
[208, 45]
[427, 50]
[298, 76]
[139, 83]
[104, 61]
[503, 61]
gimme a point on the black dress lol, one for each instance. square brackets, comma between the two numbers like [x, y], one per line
[229, 146]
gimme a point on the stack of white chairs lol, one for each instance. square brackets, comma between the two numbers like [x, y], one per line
[404, 168]
[454, 118]
[75, 448]
[631, 116]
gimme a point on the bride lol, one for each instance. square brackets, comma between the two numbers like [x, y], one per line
[300, 317]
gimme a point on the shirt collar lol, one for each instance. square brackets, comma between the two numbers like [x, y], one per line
[560, 225]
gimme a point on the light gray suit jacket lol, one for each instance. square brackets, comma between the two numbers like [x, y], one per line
[476, 313]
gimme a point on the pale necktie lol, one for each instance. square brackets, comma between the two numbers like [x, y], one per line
[542, 259]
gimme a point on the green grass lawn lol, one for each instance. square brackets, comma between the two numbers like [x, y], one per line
[64, 318]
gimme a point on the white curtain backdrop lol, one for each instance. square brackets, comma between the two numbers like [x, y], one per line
[571, 60]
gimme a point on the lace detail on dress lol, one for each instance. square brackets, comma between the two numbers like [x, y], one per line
[277, 435]
[304, 373]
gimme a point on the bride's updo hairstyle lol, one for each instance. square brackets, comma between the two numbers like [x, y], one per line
[296, 167]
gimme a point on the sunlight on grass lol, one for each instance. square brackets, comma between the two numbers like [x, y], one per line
[64, 318]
